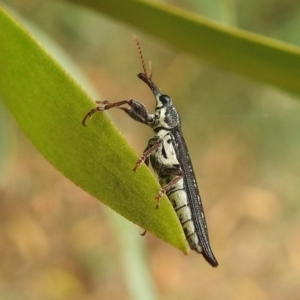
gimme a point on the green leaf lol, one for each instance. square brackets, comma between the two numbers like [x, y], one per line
[258, 57]
[49, 107]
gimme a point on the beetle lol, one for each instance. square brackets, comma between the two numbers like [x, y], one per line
[169, 157]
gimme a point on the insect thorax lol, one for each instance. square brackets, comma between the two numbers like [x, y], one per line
[165, 117]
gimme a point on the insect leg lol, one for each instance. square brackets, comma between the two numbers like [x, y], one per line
[94, 110]
[167, 171]
[143, 233]
[153, 144]
[137, 110]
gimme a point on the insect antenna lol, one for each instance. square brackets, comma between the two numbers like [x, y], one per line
[138, 46]
[150, 69]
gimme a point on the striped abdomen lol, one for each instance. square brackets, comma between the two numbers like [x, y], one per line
[178, 197]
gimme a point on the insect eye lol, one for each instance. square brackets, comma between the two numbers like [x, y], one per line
[164, 99]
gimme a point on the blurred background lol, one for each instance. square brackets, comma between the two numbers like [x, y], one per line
[57, 242]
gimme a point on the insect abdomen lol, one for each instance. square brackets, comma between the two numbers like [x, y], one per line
[178, 197]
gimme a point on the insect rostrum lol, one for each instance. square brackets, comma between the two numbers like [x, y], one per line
[169, 158]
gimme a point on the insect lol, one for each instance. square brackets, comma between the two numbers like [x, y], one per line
[169, 158]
